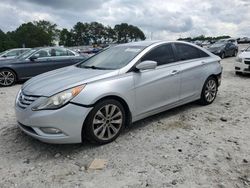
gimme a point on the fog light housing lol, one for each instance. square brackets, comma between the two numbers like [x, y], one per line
[50, 130]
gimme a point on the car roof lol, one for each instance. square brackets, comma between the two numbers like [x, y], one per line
[151, 42]
[38, 48]
[140, 43]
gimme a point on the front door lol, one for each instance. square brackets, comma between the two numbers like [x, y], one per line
[159, 87]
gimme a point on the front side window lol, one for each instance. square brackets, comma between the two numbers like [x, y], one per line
[42, 53]
[162, 55]
[186, 52]
[112, 58]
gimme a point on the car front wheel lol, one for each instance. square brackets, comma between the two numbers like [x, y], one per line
[105, 122]
[209, 91]
[7, 77]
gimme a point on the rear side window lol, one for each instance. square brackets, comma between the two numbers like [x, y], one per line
[162, 55]
[186, 52]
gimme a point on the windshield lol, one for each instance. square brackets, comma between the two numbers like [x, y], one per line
[217, 45]
[112, 58]
[4, 52]
[26, 54]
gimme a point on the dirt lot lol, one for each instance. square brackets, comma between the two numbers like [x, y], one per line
[190, 146]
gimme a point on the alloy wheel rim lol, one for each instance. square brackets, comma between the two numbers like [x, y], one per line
[210, 91]
[6, 78]
[107, 122]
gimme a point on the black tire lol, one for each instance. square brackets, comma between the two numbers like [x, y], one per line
[222, 55]
[238, 73]
[204, 99]
[89, 128]
[7, 77]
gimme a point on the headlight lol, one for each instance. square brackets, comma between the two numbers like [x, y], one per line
[58, 100]
[218, 51]
[238, 59]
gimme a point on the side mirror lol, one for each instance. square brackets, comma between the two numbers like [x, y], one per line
[32, 58]
[146, 65]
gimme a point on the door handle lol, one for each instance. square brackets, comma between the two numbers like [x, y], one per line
[174, 72]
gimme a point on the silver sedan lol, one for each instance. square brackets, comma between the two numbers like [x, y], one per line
[97, 98]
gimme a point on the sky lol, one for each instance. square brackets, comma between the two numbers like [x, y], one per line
[158, 19]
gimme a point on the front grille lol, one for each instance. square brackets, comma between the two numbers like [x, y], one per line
[247, 62]
[247, 70]
[25, 100]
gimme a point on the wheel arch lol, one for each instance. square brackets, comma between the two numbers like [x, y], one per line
[124, 104]
[128, 120]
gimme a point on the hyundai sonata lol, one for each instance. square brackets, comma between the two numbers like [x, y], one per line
[96, 99]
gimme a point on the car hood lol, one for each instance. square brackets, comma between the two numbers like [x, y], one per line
[53, 82]
[244, 55]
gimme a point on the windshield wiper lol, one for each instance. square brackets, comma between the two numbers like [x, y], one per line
[93, 67]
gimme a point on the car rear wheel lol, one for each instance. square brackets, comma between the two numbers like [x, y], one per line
[7, 77]
[105, 122]
[209, 91]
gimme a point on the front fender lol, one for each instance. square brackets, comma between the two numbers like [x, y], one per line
[121, 86]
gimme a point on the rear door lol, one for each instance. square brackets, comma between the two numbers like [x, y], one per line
[158, 87]
[192, 64]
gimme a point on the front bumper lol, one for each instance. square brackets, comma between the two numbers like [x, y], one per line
[219, 79]
[68, 119]
[242, 67]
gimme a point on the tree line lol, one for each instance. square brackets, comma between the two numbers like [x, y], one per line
[45, 33]
[203, 38]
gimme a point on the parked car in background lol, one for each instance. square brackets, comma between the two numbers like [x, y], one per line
[232, 40]
[242, 63]
[36, 61]
[94, 100]
[11, 54]
[205, 44]
[244, 40]
[223, 49]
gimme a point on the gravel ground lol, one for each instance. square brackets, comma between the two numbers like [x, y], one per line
[189, 146]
